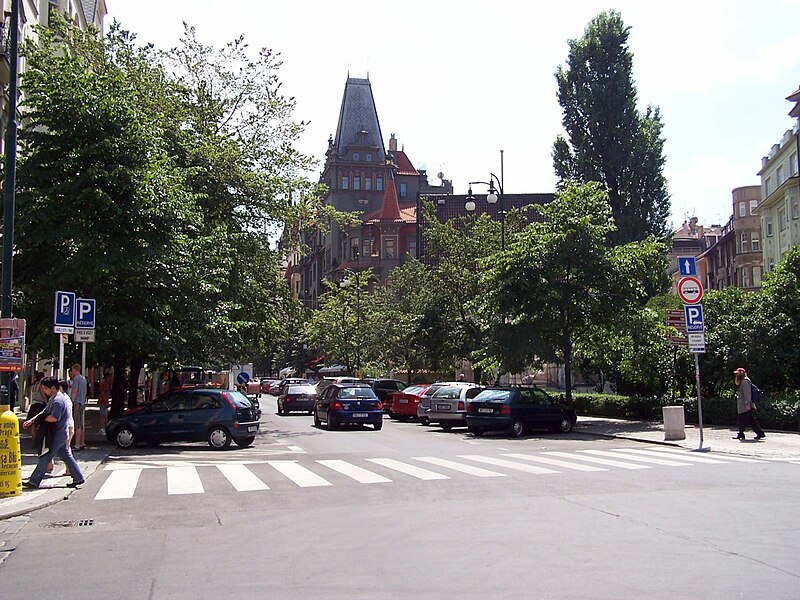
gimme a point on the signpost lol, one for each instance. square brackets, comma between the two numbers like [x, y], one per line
[63, 322]
[690, 291]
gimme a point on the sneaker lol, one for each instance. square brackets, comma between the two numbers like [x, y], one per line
[29, 485]
[75, 483]
[760, 436]
[738, 437]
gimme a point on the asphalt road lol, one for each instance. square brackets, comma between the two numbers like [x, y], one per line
[415, 512]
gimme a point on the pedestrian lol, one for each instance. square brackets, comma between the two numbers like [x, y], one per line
[103, 400]
[77, 393]
[38, 402]
[745, 406]
[57, 415]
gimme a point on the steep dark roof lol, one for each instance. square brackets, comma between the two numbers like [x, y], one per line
[358, 119]
[89, 8]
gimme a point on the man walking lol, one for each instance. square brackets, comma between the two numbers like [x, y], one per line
[77, 392]
[744, 405]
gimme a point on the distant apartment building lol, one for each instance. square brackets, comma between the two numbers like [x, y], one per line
[692, 239]
[779, 209]
[733, 257]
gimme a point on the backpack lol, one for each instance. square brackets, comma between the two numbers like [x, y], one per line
[755, 393]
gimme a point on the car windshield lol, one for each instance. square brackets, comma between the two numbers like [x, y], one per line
[359, 392]
[451, 392]
[301, 389]
[239, 399]
[493, 396]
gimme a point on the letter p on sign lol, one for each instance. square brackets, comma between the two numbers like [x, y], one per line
[86, 313]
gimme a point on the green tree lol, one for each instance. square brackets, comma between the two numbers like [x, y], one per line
[608, 139]
[560, 280]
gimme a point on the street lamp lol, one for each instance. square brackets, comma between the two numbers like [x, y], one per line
[357, 277]
[492, 198]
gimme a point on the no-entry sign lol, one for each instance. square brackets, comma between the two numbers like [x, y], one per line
[690, 290]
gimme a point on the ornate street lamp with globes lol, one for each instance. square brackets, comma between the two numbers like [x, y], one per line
[493, 197]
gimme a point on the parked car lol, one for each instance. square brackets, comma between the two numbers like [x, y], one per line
[348, 404]
[404, 403]
[449, 404]
[288, 381]
[425, 402]
[323, 383]
[297, 397]
[188, 415]
[384, 388]
[517, 410]
[266, 383]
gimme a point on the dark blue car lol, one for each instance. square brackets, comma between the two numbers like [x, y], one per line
[188, 415]
[348, 404]
[518, 409]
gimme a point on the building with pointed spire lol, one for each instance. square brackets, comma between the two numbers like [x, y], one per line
[362, 176]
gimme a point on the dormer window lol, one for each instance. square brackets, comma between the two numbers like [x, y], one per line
[368, 157]
[356, 156]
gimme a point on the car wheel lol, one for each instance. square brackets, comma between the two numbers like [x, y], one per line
[446, 426]
[245, 441]
[517, 428]
[476, 431]
[565, 425]
[331, 424]
[378, 426]
[403, 418]
[125, 437]
[317, 422]
[219, 438]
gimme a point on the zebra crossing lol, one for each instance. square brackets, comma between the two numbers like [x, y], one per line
[124, 478]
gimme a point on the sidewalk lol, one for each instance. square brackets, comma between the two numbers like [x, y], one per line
[777, 445]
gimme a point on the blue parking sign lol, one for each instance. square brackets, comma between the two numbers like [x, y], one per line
[64, 309]
[687, 266]
[695, 323]
[85, 313]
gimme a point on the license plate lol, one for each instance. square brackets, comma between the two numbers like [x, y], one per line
[403, 401]
[360, 415]
[443, 406]
[252, 428]
[485, 410]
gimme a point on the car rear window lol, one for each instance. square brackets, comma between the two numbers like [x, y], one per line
[452, 392]
[359, 392]
[301, 389]
[493, 396]
[414, 389]
[432, 390]
[239, 399]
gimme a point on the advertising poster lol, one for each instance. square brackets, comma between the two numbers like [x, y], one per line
[12, 344]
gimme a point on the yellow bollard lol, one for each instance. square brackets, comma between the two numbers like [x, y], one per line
[10, 454]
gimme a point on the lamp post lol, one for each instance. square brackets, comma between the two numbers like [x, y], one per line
[492, 197]
[357, 278]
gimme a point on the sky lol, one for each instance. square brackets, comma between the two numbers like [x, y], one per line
[457, 82]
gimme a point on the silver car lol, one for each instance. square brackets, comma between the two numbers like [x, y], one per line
[425, 402]
[448, 404]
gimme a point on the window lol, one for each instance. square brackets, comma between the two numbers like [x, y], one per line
[795, 206]
[356, 156]
[353, 248]
[768, 186]
[756, 276]
[772, 265]
[745, 278]
[769, 227]
[753, 204]
[744, 242]
[367, 183]
[366, 247]
[412, 248]
[177, 401]
[779, 176]
[742, 209]
[783, 223]
[356, 182]
[345, 182]
[205, 402]
[793, 163]
[403, 189]
[368, 157]
[755, 242]
[390, 247]
[379, 183]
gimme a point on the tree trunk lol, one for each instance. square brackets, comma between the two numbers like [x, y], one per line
[133, 381]
[118, 387]
[568, 368]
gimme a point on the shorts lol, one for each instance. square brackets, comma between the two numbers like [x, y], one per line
[103, 410]
[79, 415]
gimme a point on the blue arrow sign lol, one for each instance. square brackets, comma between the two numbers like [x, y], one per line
[694, 318]
[242, 378]
[85, 313]
[64, 309]
[687, 265]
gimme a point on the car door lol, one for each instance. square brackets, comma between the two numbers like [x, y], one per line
[204, 409]
[167, 417]
[524, 404]
[324, 401]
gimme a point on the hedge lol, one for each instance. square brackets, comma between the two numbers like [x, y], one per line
[777, 411]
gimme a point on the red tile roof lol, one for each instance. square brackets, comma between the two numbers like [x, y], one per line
[404, 166]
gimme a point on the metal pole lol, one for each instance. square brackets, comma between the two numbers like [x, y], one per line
[699, 399]
[60, 356]
[10, 184]
[358, 312]
[502, 208]
[83, 358]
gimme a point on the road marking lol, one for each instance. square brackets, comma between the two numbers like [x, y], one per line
[723, 457]
[508, 464]
[298, 474]
[120, 484]
[556, 462]
[354, 472]
[183, 480]
[417, 472]
[645, 459]
[456, 466]
[296, 449]
[599, 461]
[242, 479]
[687, 457]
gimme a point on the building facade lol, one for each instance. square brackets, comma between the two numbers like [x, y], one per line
[779, 209]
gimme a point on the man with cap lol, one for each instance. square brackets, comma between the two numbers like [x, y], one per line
[744, 405]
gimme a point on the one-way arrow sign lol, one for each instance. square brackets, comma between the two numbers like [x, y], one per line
[687, 266]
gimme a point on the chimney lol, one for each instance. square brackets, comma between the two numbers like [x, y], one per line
[393, 143]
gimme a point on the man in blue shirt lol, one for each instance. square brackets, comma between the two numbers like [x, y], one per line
[57, 415]
[77, 393]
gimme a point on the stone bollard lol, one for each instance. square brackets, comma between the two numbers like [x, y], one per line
[674, 423]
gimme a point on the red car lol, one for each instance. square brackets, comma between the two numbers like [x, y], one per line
[404, 404]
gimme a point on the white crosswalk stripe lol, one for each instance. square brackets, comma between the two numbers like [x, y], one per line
[354, 472]
[508, 464]
[183, 480]
[298, 473]
[247, 475]
[555, 462]
[417, 472]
